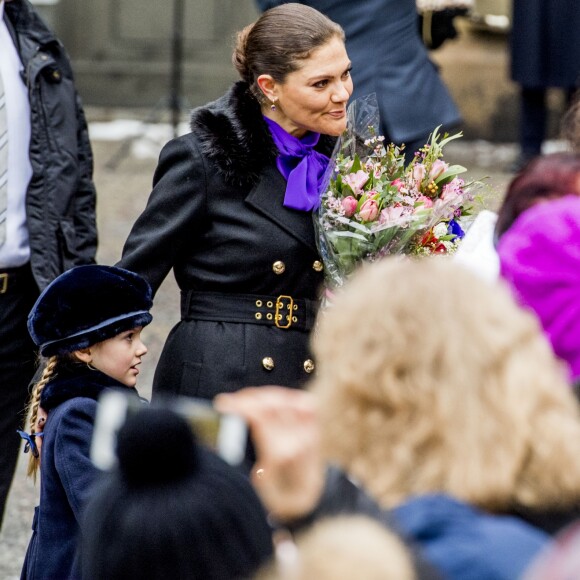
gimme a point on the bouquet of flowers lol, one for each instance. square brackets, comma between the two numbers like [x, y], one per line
[376, 205]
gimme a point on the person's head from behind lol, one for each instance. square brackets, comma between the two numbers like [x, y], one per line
[295, 63]
[431, 380]
[540, 259]
[544, 178]
[90, 315]
[172, 509]
[342, 548]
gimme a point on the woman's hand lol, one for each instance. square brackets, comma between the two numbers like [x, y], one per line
[289, 472]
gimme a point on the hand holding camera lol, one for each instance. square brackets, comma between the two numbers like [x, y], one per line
[289, 473]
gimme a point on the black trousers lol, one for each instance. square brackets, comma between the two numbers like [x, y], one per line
[18, 292]
[533, 119]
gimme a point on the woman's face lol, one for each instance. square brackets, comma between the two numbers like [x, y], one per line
[314, 97]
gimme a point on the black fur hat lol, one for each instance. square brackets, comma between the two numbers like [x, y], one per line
[183, 511]
[86, 305]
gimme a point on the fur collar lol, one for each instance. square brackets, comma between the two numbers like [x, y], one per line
[233, 135]
[77, 380]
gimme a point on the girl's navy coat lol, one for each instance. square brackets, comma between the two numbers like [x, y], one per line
[216, 216]
[66, 473]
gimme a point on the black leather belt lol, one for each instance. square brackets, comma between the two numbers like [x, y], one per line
[282, 311]
[11, 278]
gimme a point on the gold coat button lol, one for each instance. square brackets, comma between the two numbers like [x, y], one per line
[309, 365]
[278, 267]
[317, 266]
[268, 363]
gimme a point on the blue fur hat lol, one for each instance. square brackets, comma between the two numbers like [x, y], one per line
[86, 305]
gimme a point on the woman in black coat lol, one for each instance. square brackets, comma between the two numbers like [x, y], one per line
[242, 246]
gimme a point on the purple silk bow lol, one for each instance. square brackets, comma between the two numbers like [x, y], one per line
[301, 165]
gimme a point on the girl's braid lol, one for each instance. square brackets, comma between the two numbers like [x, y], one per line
[34, 462]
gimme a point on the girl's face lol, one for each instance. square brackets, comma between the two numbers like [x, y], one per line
[119, 357]
[314, 97]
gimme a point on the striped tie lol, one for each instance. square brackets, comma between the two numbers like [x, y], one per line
[3, 163]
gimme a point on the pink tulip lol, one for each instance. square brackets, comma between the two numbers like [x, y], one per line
[398, 184]
[438, 168]
[356, 181]
[369, 210]
[349, 205]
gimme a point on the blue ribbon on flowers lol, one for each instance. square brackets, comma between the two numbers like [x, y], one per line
[302, 166]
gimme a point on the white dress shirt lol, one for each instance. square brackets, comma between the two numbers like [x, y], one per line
[15, 251]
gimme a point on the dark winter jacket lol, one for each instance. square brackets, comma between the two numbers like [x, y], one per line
[67, 473]
[216, 216]
[60, 202]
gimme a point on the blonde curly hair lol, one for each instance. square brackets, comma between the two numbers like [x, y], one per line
[431, 380]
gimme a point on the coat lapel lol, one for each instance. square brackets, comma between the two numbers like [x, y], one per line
[267, 197]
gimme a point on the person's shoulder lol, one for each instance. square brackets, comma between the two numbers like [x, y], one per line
[27, 21]
[78, 405]
[227, 111]
[458, 537]
[232, 134]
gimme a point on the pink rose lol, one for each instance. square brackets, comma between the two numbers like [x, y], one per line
[349, 205]
[369, 210]
[438, 168]
[356, 181]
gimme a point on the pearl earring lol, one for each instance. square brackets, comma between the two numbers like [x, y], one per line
[273, 106]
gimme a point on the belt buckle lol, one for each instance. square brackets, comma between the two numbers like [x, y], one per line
[279, 306]
[3, 283]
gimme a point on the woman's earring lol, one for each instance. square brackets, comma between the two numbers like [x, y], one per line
[91, 367]
[273, 106]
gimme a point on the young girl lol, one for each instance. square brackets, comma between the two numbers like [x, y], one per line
[88, 324]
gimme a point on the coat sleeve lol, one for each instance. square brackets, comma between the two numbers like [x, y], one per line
[72, 454]
[175, 211]
[85, 218]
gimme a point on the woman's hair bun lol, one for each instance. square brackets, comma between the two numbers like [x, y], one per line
[239, 58]
[156, 446]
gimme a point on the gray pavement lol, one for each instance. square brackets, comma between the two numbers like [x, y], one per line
[122, 193]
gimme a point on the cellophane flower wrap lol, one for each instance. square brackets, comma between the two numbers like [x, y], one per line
[376, 205]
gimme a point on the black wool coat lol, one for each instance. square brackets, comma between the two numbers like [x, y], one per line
[216, 217]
